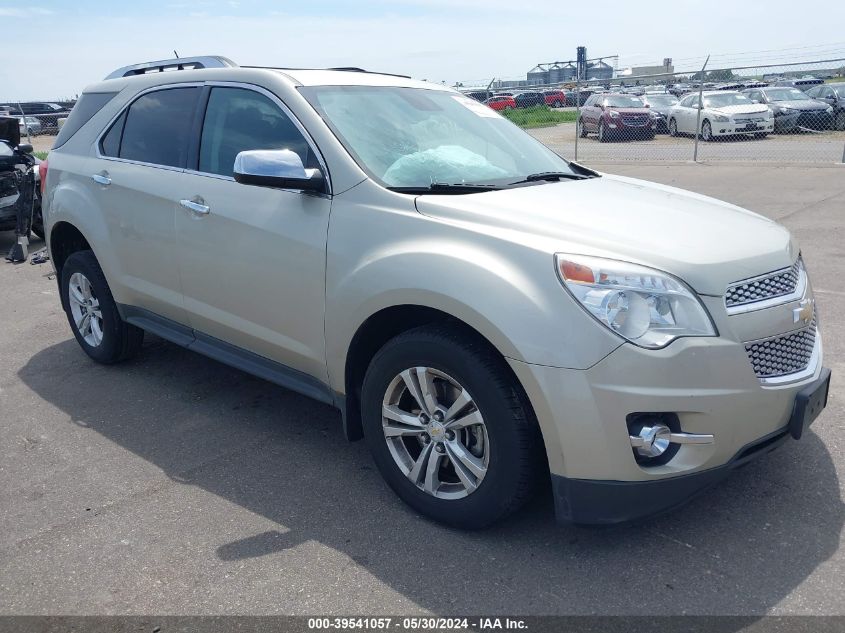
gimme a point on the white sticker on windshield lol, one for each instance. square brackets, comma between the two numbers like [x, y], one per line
[479, 108]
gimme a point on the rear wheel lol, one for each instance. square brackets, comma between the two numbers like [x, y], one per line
[449, 428]
[92, 311]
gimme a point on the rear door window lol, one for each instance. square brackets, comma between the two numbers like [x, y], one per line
[158, 127]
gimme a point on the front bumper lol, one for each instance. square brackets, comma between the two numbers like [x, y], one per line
[733, 128]
[708, 383]
[812, 120]
[596, 502]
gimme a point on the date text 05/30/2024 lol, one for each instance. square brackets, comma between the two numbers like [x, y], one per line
[416, 624]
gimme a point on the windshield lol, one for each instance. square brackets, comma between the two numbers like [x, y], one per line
[411, 137]
[662, 100]
[621, 101]
[786, 94]
[727, 99]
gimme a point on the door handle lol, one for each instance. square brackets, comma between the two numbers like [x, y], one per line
[102, 178]
[196, 207]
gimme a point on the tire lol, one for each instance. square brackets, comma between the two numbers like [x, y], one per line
[706, 131]
[840, 120]
[37, 218]
[582, 129]
[649, 136]
[761, 135]
[673, 127]
[506, 441]
[104, 336]
[602, 133]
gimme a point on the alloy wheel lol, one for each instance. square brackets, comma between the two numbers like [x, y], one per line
[706, 131]
[435, 433]
[85, 309]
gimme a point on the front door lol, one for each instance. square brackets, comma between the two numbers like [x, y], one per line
[252, 259]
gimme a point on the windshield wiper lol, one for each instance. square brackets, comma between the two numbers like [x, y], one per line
[552, 176]
[442, 187]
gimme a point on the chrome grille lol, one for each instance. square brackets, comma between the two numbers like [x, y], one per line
[635, 119]
[782, 355]
[776, 284]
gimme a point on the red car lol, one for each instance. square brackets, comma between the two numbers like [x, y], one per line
[614, 116]
[555, 98]
[501, 102]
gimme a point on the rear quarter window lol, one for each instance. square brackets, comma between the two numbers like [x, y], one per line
[88, 105]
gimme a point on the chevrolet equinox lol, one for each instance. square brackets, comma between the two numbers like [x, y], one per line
[483, 313]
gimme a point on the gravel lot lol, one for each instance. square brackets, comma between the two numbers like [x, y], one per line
[174, 485]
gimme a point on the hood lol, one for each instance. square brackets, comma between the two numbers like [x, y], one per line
[705, 242]
[629, 110]
[751, 108]
[800, 104]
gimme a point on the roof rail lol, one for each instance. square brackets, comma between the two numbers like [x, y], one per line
[346, 69]
[180, 63]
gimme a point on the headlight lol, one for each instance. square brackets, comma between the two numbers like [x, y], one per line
[788, 110]
[613, 114]
[643, 305]
[829, 109]
[721, 118]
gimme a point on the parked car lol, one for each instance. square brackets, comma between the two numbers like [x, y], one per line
[832, 94]
[555, 98]
[47, 113]
[659, 104]
[529, 99]
[723, 113]
[680, 89]
[483, 312]
[16, 162]
[793, 109]
[479, 95]
[29, 125]
[616, 116]
[576, 98]
[501, 103]
[801, 84]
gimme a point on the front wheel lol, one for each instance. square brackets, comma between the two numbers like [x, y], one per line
[582, 129]
[92, 311]
[673, 127]
[840, 120]
[449, 428]
[706, 131]
[603, 134]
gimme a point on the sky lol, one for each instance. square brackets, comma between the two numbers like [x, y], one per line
[54, 48]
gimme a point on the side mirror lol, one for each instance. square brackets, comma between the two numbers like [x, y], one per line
[25, 148]
[281, 168]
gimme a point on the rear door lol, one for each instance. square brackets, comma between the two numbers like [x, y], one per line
[137, 179]
[253, 259]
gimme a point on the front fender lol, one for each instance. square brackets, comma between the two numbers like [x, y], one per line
[381, 256]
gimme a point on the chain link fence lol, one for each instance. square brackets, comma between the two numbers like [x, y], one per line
[38, 121]
[793, 112]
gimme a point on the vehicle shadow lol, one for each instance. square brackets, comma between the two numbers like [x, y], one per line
[739, 549]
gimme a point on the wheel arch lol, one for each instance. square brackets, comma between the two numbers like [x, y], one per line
[65, 239]
[378, 329]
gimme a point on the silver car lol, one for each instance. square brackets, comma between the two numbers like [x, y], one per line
[484, 313]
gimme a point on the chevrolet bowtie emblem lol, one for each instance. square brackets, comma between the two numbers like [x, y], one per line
[804, 312]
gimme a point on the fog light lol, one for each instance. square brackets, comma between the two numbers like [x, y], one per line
[652, 441]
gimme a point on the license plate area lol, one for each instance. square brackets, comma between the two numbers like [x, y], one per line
[809, 403]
